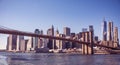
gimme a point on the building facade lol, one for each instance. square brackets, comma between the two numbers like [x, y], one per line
[36, 40]
[51, 42]
[66, 31]
[19, 42]
[29, 44]
[60, 44]
[104, 30]
[12, 42]
[116, 39]
[110, 31]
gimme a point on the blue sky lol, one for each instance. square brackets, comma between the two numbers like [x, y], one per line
[27, 15]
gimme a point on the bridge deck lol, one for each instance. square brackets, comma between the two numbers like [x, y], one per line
[16, 32]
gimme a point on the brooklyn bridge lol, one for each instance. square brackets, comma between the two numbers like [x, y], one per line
[87, 39]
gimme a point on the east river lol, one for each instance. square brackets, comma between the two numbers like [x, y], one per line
[57, 59]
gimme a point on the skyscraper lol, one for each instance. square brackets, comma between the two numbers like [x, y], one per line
[91, 28]
[104, 31]
[84, 29]
[110, 31]
[57, 32]
[50, 32]
[36, 39]
[67, 34]
[67, 31]
[116, 40]
[40, 40]
[41, 32]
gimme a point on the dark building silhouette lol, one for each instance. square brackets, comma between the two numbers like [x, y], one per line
[91, 28]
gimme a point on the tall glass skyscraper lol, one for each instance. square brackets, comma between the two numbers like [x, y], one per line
[104, 27]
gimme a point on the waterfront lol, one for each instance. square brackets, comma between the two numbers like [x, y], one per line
[57, 59]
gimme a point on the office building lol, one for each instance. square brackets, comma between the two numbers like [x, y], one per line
[36, 39]
[116, 40]
[22, 45]
[19, 44]
[57, 32]
[51, 42]
[40, 44]
[11, 42]
[41, 32]
[60, 44]
[78, 37]
[29, 44]
[104, 30]
[67, 43]
[50, 31]
[92, 32]
[91, 28]
[96, 39]
[40, 40]
[66, 31]
[84, 29]
[110, 31]
[73, 36]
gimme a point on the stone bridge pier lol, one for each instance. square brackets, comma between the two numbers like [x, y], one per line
[87, 37]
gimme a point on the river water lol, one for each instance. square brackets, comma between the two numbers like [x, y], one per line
[57, 59]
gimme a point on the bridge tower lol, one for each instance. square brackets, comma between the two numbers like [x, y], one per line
[87, 37]
[91, 42]
[83, 45]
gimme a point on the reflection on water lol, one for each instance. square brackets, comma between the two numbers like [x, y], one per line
[3, 60]
[57, 59]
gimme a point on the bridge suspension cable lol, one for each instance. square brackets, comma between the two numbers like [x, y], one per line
[6, 28]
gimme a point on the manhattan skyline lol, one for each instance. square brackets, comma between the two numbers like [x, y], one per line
[31, 15]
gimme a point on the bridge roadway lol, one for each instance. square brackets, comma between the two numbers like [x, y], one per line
[16, 32]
